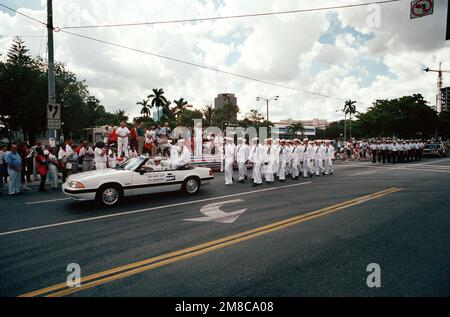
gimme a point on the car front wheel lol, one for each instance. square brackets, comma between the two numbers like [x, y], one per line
[109, 195]
[191, 186]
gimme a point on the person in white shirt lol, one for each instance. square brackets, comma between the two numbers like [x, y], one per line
[184, 155]
[100, 156]
[256, 156]
[230, 155]
[374, 148]
[242, 153]
[122, 139]
[270, 161]
[87, 155]
[112, 159]
[53, 168]
[289, 145]
[308, 159]
[328, 158]
[318, 158]
[63, 158]
[295, 159]
[198, 132]
[283, 155]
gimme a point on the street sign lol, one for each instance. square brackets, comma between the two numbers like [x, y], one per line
[53, 124]
[54, 111]
[421, 8]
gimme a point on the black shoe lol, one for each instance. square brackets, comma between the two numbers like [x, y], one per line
[254, 185]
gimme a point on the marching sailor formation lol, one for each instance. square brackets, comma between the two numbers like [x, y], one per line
[278, 159]
[396, 151]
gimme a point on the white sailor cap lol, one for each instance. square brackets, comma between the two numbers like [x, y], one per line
[305, 140]
[255, 139]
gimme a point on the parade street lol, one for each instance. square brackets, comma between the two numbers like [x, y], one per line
[310, 237]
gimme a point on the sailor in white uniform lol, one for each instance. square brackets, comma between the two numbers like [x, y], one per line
[242, 153]
[256, 156]
[230, 155]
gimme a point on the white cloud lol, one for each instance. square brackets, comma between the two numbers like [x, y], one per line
[276, 48]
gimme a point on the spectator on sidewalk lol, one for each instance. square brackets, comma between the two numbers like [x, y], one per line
[41, 167]
[140, 138]
[14, 163]
[2, 166]
[52, 167]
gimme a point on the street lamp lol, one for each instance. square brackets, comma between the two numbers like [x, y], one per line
[267, 103]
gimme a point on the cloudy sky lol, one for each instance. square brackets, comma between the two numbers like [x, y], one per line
[364, 53]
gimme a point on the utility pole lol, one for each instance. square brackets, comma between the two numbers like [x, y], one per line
[447, 37]
[51, 65]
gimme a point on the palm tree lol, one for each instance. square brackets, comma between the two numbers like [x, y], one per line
[297, 127]
[181, 104]
[210, 114]
[158, 99]
[145, 111]
[350, 109]
[121, 116]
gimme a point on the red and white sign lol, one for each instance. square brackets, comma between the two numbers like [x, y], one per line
[421, 8]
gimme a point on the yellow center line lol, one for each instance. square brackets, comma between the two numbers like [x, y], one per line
[120, 272]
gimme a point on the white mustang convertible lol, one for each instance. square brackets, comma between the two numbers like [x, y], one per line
[136, 176]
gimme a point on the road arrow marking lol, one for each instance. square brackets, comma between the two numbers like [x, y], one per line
[213, 213]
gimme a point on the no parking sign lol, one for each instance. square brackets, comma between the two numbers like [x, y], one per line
[421, 8]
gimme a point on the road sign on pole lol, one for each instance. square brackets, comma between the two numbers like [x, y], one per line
[54, 111]
[421, 8]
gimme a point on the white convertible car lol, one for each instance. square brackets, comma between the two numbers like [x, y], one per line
[136, 176]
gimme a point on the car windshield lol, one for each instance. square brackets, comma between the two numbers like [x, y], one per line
[132, 163]
[431, 146]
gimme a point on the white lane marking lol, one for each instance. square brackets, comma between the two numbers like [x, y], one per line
[437, 161]
[419, 169]
[364, 173]
[146, 209]
[45, 201]
[213, 213]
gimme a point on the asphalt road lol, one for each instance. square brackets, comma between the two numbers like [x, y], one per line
[406, 230]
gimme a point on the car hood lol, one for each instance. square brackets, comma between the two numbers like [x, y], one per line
[96, 174]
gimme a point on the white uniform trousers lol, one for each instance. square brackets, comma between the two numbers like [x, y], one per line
[228, 172]
[282, 174]
[268, 172]
[257, 178]
[122, 146]
[329, 166]
[308, 167]
[295, 168]
[318, 166]
[242, 167]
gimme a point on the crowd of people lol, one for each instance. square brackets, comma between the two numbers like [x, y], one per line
[278, 159]
[381, 150]
[273, 159]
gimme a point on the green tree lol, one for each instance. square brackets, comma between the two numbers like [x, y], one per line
[210, 115]
[297, 127]
[180, 105]
[350, 109]
[158, 100]
[145, 107]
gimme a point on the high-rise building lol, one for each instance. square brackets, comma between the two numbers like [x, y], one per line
[223, 99]
[445, 100]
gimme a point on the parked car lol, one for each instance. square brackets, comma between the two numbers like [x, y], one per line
[434, 150]
[135, 177]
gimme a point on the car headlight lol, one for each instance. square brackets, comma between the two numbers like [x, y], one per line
[77, 185]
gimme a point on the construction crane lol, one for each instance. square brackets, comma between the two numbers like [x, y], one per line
[439, 85]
